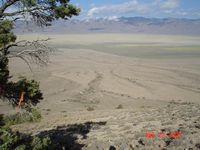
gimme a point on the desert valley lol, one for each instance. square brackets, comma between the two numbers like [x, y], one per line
[111, 89]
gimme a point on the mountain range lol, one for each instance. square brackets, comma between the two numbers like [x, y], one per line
[118, 25]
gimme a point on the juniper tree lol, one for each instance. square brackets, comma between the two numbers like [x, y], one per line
[41, 12]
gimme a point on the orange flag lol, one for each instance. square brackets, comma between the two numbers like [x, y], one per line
[21, 99]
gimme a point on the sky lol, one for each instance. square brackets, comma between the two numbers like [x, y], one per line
[134, 8]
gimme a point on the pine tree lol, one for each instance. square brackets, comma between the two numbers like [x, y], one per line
[42, 12]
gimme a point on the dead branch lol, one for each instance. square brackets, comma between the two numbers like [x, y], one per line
[31, 51]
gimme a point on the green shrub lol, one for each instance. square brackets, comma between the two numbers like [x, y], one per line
[33, 116]
[8, 138]
[40, 143]
[14, 140]
[119, 106]
[90, 109]
[21, 147]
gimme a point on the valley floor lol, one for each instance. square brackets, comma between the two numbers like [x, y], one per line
[115, 100]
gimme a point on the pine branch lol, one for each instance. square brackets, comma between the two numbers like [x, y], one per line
[7, 4]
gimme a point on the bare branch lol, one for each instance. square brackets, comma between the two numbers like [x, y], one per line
[28, 64]
[37, 51]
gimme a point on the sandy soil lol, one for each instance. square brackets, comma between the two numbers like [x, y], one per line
[154, 94]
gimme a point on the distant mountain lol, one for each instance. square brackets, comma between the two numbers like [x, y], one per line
[118, 25]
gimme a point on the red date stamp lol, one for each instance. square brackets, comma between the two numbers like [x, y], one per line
[161, 135]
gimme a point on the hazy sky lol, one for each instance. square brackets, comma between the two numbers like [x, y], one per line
[145, 8]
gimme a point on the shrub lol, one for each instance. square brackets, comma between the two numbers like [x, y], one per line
[40, 143]
[119, 106]
[35, 115]
[21, 147]
[18, 118]
[8, 138]
[14, 140]
[90, 109]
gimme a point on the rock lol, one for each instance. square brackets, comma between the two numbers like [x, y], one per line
[141, 141]
[197, 126]
[197, 145]
[112, 148]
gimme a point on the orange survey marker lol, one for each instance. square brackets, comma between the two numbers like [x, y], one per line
[21, 99]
